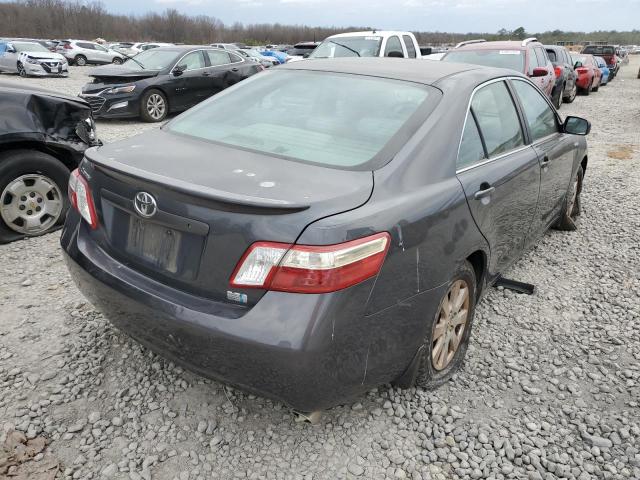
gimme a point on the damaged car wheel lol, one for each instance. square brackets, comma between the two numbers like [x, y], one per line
[33, 197]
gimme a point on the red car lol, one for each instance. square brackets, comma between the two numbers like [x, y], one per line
[527, 56]
[589, 74]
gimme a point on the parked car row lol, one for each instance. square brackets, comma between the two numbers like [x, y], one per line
[557, 72]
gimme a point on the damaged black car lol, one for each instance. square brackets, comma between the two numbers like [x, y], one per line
[43, 137]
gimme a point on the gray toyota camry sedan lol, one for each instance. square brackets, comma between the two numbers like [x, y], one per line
[327, 226]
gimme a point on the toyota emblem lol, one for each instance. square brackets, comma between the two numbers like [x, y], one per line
[145, 204]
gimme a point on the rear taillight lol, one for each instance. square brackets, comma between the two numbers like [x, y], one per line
[558, 71]
[310, 268]
[67, 46]
[81, 198]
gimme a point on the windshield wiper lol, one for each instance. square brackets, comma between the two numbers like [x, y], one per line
[344, 46]
[131, 58]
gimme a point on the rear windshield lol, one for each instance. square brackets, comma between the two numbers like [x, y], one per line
[552, 55]
[599, 50]
[368, 46]
[330, 119]
[512, 59]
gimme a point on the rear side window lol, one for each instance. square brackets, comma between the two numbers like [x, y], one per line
[235, 58]
[552, 55]
[408, 44]
[88, 46]
[471, 148]
[539, 116]
[217, 57]
[497, 119]
[393, 45]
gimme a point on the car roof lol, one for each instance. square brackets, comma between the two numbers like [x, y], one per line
[498, 45]
[372, 33]
[417, 71]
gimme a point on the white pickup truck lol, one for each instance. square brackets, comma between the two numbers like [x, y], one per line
[369, 44]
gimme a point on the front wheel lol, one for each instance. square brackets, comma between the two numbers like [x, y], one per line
[33, 197]
[447, 336]
[572, 206]
[154, 106]
[117, 61]
[21, 71]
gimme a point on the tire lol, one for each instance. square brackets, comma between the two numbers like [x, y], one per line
[80, 60]
[587, 91]
[595, 89]
[21, 71]
[572, 205]
[557, 99]
[151, 113]
[572, 96]
[31, 182]
[117, 61]
[430, 375]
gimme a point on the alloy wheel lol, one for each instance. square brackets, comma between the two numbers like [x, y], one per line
[21, 71]
[31, 204]
[156, 106]
[450, 325]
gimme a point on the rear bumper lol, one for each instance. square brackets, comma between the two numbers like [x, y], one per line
[311, 352]
[583, 81]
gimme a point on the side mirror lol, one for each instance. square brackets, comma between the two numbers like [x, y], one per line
[577, 126]
[306, 55]
[540, 72]
[577, 65]
[11, 50]
[179, 70]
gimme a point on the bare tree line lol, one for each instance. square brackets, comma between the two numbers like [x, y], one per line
[89, 20]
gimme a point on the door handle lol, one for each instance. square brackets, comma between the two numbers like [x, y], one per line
[234, 69]
[544, 164]
[486, 191]
[206, 74]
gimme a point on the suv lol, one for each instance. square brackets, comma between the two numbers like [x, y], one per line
[43, 136]
[565, 88]
[82, 52]
[608, 52]
[527, 56]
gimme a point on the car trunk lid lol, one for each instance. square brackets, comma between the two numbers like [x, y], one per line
[212, 202]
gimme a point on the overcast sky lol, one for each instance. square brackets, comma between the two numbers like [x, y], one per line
[422, 15]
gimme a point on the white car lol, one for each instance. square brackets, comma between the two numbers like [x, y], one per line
[31, 58]
[373, 43]
[150, 45]
[82, 52]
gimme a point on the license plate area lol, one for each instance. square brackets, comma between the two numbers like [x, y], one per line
[155, 244]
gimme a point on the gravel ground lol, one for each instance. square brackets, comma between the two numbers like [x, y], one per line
[550, 389]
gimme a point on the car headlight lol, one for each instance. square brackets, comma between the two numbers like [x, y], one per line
[86, 130]
[33, 60]
[125, 89]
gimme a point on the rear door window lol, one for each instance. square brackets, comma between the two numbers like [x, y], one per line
[497, 118]
[539, 115]
[88, 46]
[408, 44]
[542, 57]
[393, 45]
[218, 57]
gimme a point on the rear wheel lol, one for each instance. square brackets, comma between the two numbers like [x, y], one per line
[572, 94]
[80, 60]
[595, 89]
[117, 60]
[154, 106]
[572, 205]
[448, 333]
[33, 197]
[557, 98]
